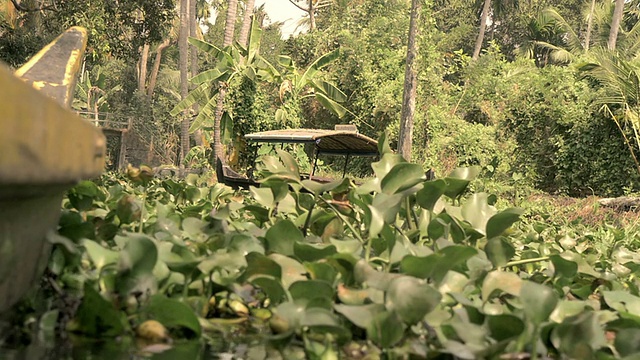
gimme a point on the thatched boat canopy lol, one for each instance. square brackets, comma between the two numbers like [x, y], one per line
[331, 142]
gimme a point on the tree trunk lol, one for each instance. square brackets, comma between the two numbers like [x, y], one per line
[229, 29]
[156, 68]
[142, 71]
[193, 31]
[184, 85]
[246, 22]
[587, 40]
[483, 26]
[193, 23]
[615, 24]
[312, 16]
[410, 85]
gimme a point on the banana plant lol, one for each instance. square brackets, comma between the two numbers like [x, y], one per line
[298, 84]
[91, 94]
[231, 61]
[236, 60]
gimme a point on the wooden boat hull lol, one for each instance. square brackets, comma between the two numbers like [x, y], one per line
[44, 150]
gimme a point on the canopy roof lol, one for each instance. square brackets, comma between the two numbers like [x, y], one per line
[336, 142]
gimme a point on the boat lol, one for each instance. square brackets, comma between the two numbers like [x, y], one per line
[45, 149]
[343, 140]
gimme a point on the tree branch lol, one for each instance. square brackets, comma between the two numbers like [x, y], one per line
[24, 9]
[291, 1]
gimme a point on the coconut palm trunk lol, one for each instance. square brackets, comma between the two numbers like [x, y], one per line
[193, 61]
[410, 85]
[615, 24]
[246, 22]
[587, 40]
[483, 27]
[229, 29]
[183, 49]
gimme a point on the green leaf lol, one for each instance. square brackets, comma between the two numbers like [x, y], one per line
[387, 162]
[311, 289]
[173, 314]
[292, 270]
[322, 271]
[321, 62]
[499, 251]
[205, 46]
[436, 266]
[258, 265]
[411, 298]
[96, 317]
[428, 196]
[271, 286]
[507, 282]
[289, 162]
[360, 315]
[99, 255]
[374, 221]
[209, 76]
[264, 196]
[578, 337]
[564, 268]
[318, 188]
[627, 341]
[330, 90]
[313, 252]
[387, 206]
[622, 301]
[386, 329]
[583, 265]
[331, 105]
[226, 127]
[505, 326]
[198, 95]
[501, 221]
[538, 301]
[383, 144]
[206, 116]
[401, 177]
[138, 256]
[281, 237]
[459, 179]
[364, 273]
[83, 195]
[477, 211]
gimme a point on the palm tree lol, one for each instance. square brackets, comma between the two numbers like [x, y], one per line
[310, 7]
[496, 9]
[246, 22]
[620, 80]
[553, 36]
[587, 40]
[405, 139]
[184, 84]
[550, 39]
[483, 26]
[615, 24]
[229, 29]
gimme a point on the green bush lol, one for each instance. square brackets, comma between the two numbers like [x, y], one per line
[564, 144]
[447, 142]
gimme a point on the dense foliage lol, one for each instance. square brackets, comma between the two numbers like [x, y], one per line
[468, 112]
[395, 267]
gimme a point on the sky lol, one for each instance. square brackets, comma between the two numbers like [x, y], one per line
[282, 10]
